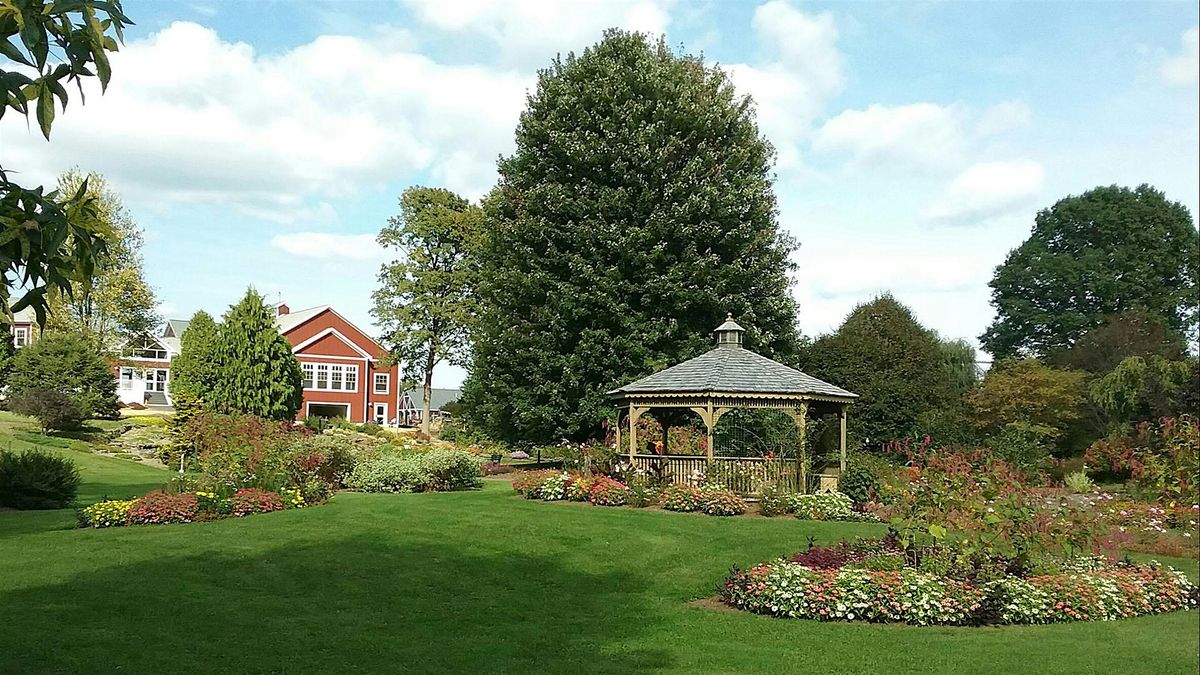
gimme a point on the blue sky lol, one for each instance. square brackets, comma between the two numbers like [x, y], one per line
[265, 143]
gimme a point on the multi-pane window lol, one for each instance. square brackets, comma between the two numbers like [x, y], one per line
[381, 383]
[126, 379]
[20, 337]
[330, 376]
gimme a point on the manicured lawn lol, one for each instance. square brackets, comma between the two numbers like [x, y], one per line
[476, 582]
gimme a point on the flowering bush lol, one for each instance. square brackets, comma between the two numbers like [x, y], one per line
[554, 487]
[847, 592]
[293, 498]
[827, 506]
[255, 500]
[159, 507]
[682, 497]
[212, 503]
[1102, 595]
[722, 503]
[608, 492]
[1163, 459]
[111, 513]
[389, 473]
[788, 589]
[528, 483]
[579, 487]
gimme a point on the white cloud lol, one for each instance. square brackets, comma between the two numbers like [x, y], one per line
[324, 245]
[190, 117]
[987, 190]
[531, 32]
[1183, 69]
[803, 70]
[917, 134]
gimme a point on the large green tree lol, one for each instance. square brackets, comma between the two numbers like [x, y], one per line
[635, 213]
[1120, 336]
[71, 365]
[256, 371]
[1109, 250]
[425, 301]
[49, 242]
[1030, 395]
[900, 369]
[116, 303]
[194, 376]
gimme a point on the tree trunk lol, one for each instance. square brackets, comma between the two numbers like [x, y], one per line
[428, 392]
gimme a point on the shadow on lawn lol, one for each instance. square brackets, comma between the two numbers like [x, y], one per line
[348, 605]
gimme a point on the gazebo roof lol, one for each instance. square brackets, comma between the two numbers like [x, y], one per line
[729, 368]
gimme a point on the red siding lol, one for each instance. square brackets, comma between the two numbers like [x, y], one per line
[333, 349]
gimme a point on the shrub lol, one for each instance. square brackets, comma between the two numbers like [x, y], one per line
[682, 497]
[554, 487]
[450, 469]
[70, 364]
[827, 506]
[643, 492]
[774, 501]
[579, 487]
[608, 492]
[859, 482]
[112, 513]
[255, 500]
[529, 483]
[1163, 459]
[53, 409]
[327, 457]
[1023, 446]
[845, 593]
[722, 503]
[212, 504]
[243, 450]
[37, 480]
[159, 507]
[389, 473]
[1078, 482]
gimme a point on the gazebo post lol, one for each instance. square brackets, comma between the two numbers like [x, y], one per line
[632, 432]
[802, 451]
[842, 443]
[708, 425]
[618, 427]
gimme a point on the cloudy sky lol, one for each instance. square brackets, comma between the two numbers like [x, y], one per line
[265, 143]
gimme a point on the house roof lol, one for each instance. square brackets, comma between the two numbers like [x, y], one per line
[26, 315]
[438, 398]
[285, 322]
[730, 368]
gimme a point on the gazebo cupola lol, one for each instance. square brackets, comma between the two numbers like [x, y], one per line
[727, 377]
[729, 334]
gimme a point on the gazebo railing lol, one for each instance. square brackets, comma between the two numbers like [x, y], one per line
[744, 475]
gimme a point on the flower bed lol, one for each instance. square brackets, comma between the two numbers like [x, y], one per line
[160, 507]
[682, 497]
[857, 582]
[827, 506]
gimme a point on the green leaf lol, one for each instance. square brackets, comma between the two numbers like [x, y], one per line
[45, 110]
[937, 531]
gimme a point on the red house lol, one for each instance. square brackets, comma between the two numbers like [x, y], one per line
[344, 375]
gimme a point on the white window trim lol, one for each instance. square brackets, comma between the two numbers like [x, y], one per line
[387, 383]
[342, 368]
[309, 404]
[21, 336]
[125, 383]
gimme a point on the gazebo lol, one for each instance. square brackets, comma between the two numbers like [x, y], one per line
[729, 377]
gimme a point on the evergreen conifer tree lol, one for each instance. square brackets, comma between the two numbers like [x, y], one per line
[256, 371]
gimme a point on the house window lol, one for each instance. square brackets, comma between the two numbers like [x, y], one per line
[126, 378]
[330, 377]
[156, 379]
[20, 336]
[382, 383]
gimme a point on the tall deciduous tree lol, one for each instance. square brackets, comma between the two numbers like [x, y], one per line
[256, 371]
[897, 366]
[49, 242]
[1109, 250]
[116, 303]
[425, 301]
[635, 213]
[1120, 336]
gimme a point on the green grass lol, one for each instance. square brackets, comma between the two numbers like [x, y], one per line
[478, 582]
